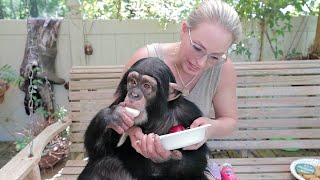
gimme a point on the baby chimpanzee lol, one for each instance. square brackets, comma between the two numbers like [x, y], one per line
[147, 86]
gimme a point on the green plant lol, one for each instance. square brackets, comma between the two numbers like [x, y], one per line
[58, 114]
[23, 142]
[27, 135]
[274, 19]
[10, 76]
[293, 54]
[50, 117]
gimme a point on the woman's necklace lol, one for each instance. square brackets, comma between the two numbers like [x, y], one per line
[185, 91]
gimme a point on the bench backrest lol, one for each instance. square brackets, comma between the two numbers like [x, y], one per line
[276, 100]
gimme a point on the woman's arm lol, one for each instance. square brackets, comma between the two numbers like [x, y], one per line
[225, 106]
[225, 103]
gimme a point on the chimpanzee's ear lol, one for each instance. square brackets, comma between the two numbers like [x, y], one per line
[174, 91]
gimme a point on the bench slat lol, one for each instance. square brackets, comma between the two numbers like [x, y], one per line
[245, 168]
[92, 95]
[246, 134]
[68, 177]
[261, 168]
[278, 80]
[249, 72]
[241, 92]
[277, 91]
[72, 170]
[97, 84]
[90, 106]
[242, 102]
[107, 78]
[267, 113]
[261, 123]
[266, 176]
[103, 84]
[280, 123]
[259, 161]
[265, 134]
[279, 112]
[88, 76]
[264, 144]
[233, 161]
[266, 66]
[279, 101]
[77, 147]
[96, 70]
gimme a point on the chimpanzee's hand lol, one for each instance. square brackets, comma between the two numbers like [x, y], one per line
[122, 119]
[149, 146]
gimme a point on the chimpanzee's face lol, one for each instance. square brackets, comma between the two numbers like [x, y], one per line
[142, 90]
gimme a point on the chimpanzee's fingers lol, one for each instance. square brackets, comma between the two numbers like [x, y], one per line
[161, 151]
[176, 154]
[127, 118]
[122, 125]
[144, 146]
[135, 142]
[135, 132]
[150, 146]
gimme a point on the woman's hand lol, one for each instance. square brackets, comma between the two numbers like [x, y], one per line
[149, 146]
[196, 123]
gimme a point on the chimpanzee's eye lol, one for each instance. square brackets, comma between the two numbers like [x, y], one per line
[146, 86]
[132, 82]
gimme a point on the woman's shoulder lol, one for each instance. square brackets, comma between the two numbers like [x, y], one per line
[228, 68]
[137, 55]
[149, 50]
[228, 75]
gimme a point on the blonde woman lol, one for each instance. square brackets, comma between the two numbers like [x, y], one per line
[203, 71]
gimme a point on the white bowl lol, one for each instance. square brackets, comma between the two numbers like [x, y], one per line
[184, 138]
[313, 162]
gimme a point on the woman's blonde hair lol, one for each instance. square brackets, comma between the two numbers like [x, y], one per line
[216, 11]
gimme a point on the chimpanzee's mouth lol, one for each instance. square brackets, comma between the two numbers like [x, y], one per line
[141, 118]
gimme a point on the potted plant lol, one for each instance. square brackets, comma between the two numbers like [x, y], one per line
[8, 76]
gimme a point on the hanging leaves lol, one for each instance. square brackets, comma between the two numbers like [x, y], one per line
[9, 75]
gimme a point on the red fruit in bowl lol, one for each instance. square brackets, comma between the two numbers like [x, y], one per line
[176, 129]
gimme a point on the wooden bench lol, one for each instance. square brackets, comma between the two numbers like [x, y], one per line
[276, 100]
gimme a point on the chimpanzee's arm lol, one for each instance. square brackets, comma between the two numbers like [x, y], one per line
[100, 140]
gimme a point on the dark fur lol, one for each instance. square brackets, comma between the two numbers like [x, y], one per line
[106, 161]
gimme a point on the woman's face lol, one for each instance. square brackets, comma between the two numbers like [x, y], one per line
[203, 46]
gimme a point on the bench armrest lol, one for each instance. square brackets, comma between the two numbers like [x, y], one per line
[21, 165]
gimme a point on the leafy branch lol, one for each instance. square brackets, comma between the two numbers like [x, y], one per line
[274, 19]
[10, 76]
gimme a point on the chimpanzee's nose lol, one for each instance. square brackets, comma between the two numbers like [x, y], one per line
[135, 94]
